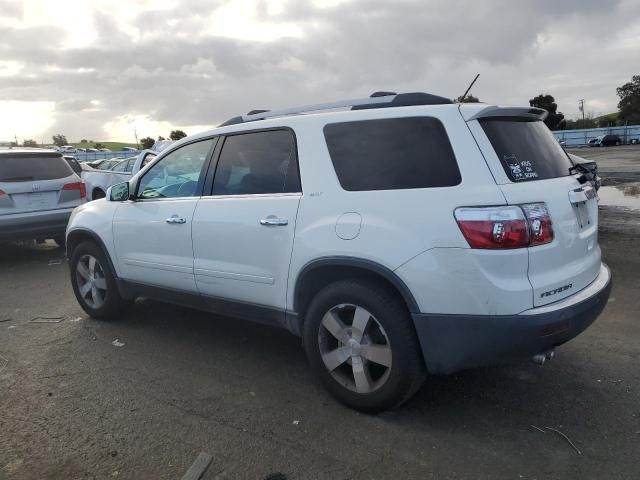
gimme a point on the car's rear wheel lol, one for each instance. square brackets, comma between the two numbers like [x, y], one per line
[93, 282]
[361, 342]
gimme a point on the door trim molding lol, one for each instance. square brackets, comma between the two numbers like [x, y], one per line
[158, 266]
[244, 277]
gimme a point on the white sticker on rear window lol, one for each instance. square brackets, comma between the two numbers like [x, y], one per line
[520, 169]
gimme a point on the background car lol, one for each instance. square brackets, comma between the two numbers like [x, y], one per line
[609, 140]
[125, 165]
[593, 142]
[38, 192]
[104, 164]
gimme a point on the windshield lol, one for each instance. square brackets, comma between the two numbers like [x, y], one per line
[527, 149]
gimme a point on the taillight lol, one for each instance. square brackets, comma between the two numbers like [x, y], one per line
[510, 226]
[2, 192]
[493, 227]
[539, 223]
[76, 186]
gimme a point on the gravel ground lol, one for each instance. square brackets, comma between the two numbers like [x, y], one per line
[140, 397]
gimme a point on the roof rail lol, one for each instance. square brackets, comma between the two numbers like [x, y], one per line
[377, 100]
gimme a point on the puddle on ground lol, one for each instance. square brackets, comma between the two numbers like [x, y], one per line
[624, 195]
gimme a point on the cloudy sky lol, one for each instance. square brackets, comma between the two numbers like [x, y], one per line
[99, 69]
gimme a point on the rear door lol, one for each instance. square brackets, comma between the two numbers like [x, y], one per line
[37, 181]
[243, 231]
[531, 167]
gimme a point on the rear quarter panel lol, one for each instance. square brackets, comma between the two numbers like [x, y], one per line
[396, 225]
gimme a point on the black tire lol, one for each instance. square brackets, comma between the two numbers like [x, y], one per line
[60, 241]
[112, 303]
[406, 373]
[97, 194]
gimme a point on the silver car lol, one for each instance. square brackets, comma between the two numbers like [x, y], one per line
[38, 191]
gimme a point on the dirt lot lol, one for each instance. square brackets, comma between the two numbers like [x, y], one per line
[140, 397]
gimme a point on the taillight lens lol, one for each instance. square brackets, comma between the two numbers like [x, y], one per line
[76, 186]
[2, 192]
[539, 223]
[493, 227]
[513, 226]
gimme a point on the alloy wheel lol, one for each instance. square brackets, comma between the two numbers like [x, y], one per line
[355, 348]
[91, 281]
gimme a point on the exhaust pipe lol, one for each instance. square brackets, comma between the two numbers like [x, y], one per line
[542, 358]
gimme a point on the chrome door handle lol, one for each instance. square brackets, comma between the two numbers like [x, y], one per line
[273, 221]
[175, 219]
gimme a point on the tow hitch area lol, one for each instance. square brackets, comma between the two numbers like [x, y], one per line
[541, 358]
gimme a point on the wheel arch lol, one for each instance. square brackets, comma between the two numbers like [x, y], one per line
[320, 272]
[77, 236]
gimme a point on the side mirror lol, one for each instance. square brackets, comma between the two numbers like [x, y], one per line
[118, 192]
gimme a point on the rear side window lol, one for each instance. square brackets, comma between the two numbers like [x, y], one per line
[391, 154]
[527, 149]
[29, 167]
[258, 163]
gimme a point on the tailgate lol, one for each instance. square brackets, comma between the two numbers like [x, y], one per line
[531, 167]
[572, 260]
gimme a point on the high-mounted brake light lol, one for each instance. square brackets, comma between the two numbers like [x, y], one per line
[513, 226]
[77, 186]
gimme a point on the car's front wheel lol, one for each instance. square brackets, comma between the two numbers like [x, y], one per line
[93, 282]
[360, 340]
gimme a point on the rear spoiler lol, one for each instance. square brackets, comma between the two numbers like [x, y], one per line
[530, 113]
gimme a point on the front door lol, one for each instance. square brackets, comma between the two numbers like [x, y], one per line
[243, 231]
[152, 234]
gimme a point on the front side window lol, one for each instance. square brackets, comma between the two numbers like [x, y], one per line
[177, 174]
[258, 163]
[392, 154]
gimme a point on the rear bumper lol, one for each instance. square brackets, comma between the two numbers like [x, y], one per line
[456, 342]
[29, 225]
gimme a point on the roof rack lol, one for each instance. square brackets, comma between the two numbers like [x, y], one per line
[377, 100]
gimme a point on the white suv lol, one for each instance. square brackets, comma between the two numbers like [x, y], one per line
[403, 236]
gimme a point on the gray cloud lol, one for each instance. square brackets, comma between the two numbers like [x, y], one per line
[176, 72]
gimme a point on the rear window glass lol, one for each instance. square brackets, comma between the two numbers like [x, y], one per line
[527, 149]
[392, 153]
[28, 167]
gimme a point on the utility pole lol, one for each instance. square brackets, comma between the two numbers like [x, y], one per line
[135, 132]
[581, 108]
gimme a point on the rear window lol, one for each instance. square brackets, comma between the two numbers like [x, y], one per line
[391, 154]
[527, 149]
[28, 167]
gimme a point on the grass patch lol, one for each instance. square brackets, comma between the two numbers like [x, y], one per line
[115, 146]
